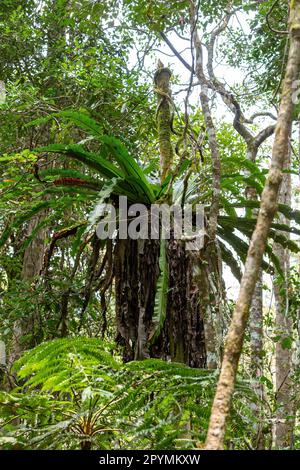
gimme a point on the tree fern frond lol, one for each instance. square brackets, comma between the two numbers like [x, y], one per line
[284, 209]
[246, 226]
[247, 222]
[63, 363]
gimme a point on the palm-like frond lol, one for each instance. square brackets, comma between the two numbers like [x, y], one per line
[95, 161]
[239, 246]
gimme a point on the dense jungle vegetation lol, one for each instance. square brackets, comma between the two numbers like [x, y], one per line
[124, 342]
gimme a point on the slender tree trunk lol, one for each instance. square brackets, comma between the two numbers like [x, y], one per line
[284, 406]
[164, 117]
[256, 360]
[212, 309]
[34, 253]
[212, 296]
[234, 342]
[256, 333]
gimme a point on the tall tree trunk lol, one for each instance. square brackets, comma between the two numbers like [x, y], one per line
[136, 273]
[212, 294]
[34, 253]
[211, 319]
[256, 332]
[164, 118]
[256, 362]
[235, 337]
[284, 406]
[182, 338]
[32, 266]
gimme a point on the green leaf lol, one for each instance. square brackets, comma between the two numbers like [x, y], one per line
[127, 163]
[229, 258]
[95, 161]
[23, 217]
[161, 295]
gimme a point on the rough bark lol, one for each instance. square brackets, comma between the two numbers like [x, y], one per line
[256, 361]
[212, 296]
[136, 274]
[183, 338]
[235, 337]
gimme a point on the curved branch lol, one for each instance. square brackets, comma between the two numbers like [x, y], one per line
[268, 20]
[175, 52]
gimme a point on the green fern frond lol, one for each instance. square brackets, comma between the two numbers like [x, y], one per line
[83, 121]
[284, 209]
[61, 364]
[239, 246]
[247, 222]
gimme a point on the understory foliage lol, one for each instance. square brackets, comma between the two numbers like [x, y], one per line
[76, 393]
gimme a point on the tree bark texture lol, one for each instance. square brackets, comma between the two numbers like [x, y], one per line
[136, 273]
